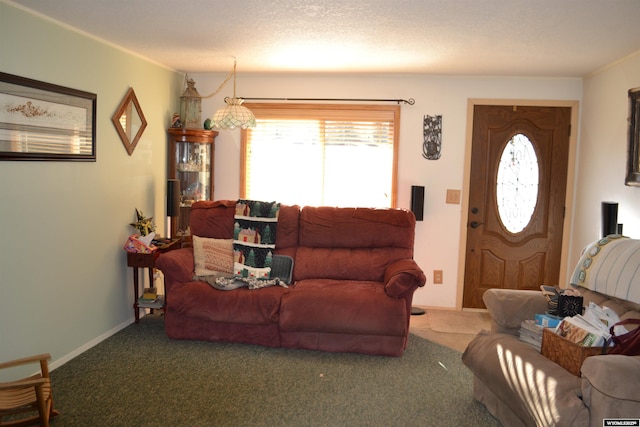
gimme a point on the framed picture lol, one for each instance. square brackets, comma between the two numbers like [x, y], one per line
[633, 160]
[42, 121]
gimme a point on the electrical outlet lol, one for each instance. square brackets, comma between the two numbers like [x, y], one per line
[453, 197]
[437, 277]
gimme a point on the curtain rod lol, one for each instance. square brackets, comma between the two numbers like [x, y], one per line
[409, 101]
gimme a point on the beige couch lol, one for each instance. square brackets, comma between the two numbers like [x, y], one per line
[521, 387]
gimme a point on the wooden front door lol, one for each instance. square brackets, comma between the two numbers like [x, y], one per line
[518, 176]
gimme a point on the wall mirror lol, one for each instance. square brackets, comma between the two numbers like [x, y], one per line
[633, 161]
[129, 121]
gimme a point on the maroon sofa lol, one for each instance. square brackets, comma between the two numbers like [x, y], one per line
[353, 282]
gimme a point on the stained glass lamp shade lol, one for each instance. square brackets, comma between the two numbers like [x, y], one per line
[233, 115]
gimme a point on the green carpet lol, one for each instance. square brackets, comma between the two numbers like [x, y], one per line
[139, 377]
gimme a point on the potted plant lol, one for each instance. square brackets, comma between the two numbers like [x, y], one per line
[144, 225]
[142, 240]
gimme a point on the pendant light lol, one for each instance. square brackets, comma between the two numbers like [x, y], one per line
[234, 114]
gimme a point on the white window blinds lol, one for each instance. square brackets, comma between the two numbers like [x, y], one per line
[321, 155]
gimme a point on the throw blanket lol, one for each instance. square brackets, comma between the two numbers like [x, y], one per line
[254, 238]
[226, 284]
[610, 266]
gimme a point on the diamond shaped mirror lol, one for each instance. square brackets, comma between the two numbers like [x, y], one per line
[129, 121]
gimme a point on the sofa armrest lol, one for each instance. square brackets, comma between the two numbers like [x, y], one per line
[403, 276]
[610, 386]
[509, 307]
[177, 266]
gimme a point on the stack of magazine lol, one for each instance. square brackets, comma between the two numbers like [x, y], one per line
[151, 299]
[591, 328]
[531, 333]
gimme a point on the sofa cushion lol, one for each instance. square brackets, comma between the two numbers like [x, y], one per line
[352, 243]
[611, 386]
[614, 375]
[288, 226]
[536, 390]
[212, 219]
[329, 227]
[345, 263]
[245, 306]
[212, 256]
[342, 307]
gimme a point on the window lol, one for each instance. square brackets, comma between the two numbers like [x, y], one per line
[517, 183]
[321, 155]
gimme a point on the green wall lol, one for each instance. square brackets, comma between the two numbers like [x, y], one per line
[64, 284]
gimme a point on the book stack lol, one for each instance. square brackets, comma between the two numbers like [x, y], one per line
[151, 299]
[531, 333]
[547, 320]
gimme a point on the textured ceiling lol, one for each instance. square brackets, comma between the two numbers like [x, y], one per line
[564, 38]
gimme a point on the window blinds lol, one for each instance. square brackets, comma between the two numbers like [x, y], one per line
[338, 155]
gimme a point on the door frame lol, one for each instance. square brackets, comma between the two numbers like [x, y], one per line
[569, 197]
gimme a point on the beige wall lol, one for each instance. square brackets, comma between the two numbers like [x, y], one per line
[438, 236]
[64, 283]
[603, 153]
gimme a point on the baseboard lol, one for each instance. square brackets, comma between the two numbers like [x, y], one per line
[78, 351]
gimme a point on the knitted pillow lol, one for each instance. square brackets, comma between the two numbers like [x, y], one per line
[212, 256]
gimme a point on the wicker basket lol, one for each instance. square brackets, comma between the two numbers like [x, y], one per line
[565, 353]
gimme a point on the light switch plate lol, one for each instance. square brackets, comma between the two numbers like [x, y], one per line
[453, 197]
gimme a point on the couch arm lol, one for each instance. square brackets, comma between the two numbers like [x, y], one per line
[509, 307]
[611, 386]
[177, 266]
[403, 276]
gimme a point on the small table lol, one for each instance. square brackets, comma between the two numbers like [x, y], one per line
[146, 260]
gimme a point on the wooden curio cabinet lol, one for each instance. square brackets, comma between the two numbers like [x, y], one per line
[191, 155]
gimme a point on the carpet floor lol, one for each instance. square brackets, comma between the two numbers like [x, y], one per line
[138, 377]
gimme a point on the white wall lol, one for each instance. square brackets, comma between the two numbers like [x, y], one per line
[64, 282]
[438, 236]
[603, 154]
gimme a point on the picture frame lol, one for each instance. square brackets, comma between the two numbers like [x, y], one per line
[44, 121]
[633, 153]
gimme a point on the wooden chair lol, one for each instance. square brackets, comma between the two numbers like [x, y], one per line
[20, 399]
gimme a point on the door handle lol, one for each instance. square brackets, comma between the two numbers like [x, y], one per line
[475, 224]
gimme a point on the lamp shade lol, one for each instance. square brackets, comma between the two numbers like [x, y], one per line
[233, 115]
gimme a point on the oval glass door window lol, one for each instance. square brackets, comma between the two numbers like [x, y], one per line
[517, 183]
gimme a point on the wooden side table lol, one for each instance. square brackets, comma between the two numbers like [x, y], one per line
[142, 260]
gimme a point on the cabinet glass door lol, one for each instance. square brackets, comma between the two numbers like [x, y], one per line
[193, 162]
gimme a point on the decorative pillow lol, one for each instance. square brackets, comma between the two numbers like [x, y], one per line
[212, 256]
